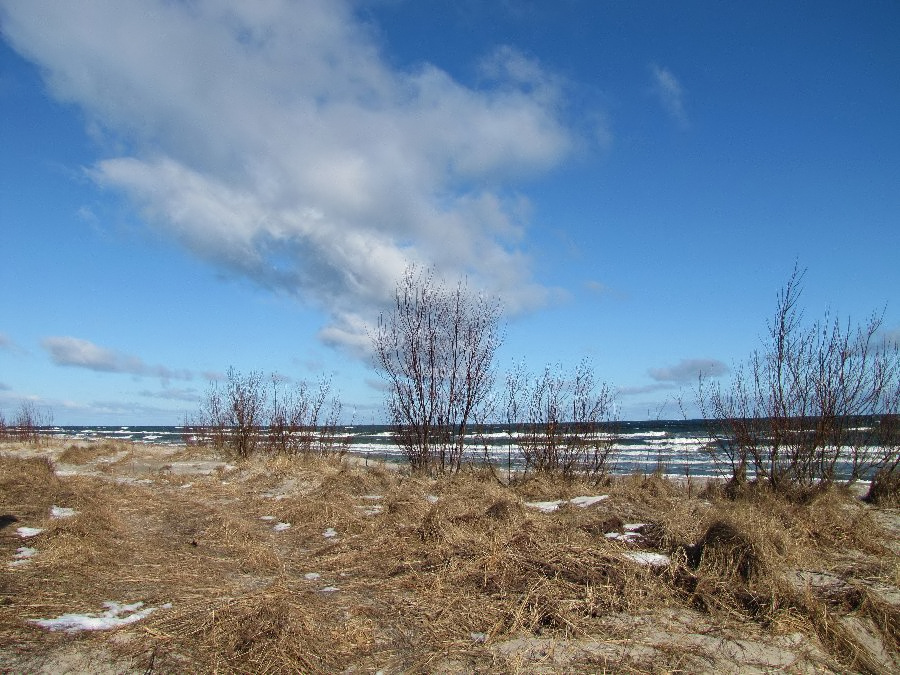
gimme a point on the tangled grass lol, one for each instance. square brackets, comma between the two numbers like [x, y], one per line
[383, 570]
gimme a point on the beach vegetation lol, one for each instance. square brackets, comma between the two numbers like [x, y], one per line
[289, 563]
[435, 350]
[562, 422]
[27, 424]
[243, 417]
[813, 395]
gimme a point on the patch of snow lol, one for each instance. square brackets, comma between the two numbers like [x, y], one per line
[26, 532]
[633, 527]
[311, 576]
[329, 533]
[128, 480]
[478, 637]
[431, 499]
[619, 536]
[372, 497]
[586, 500]
[23, 555]
[229, 467]
[115, 616]
[546, 507]
[648, 558]
[328, 589]
[281, 527]
[267, 517]
[581, 502]
[61, 512]
[187, 485]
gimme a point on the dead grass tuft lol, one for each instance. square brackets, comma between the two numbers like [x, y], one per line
[434, 574]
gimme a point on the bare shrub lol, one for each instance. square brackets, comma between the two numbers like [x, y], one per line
[305, 420]
[231, 417]
[562, 421]
[436, 350]
[211, 424]
[27, 424]
[814, 396]
[239, 417]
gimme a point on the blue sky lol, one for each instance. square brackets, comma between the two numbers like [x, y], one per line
[188, 186]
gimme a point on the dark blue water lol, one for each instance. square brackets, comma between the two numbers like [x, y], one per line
[677, 448]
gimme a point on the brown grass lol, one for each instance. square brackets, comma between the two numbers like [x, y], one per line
[435, 575]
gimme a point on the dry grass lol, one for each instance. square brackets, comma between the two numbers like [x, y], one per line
[438, 575]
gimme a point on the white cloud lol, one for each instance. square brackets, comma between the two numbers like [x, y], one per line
[670, 92]
[274, 141]
[75, 352]
[688, 370]
[7, 344]
[190, 394]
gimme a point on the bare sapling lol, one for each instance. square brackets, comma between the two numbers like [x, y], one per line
[436, 350]
[246, 399]
[305, 420]
[811, 401]
[563, 421]
[27, 424]
[212, 425]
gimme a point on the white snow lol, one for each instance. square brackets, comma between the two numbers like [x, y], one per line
[329, 533]
[581, 502]
[431, 499]
[267, 517]
[115, 616]
[371, 509]
[626, 536]
[648, 558]
[311, 576]
[23, 555]
[546, 507]
[281, 527]
[329, 589]
[61, 512]
[633, 527]
[586, 500]
[26, 532]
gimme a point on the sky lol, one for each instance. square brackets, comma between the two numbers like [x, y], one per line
[192, 185]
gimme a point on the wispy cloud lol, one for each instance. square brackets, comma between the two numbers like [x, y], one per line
[7, 344]
[78, 353]
[276, 142]
[646, 389]
[190, 394]
[892, 337]
[670, 93]
[688, 370]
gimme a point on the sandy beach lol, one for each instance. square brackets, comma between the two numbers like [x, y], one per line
[127, 558]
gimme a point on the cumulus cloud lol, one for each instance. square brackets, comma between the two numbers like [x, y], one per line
[5, 387]
[276, 142]
[70, 351]
[670, 93]
[688, 370]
